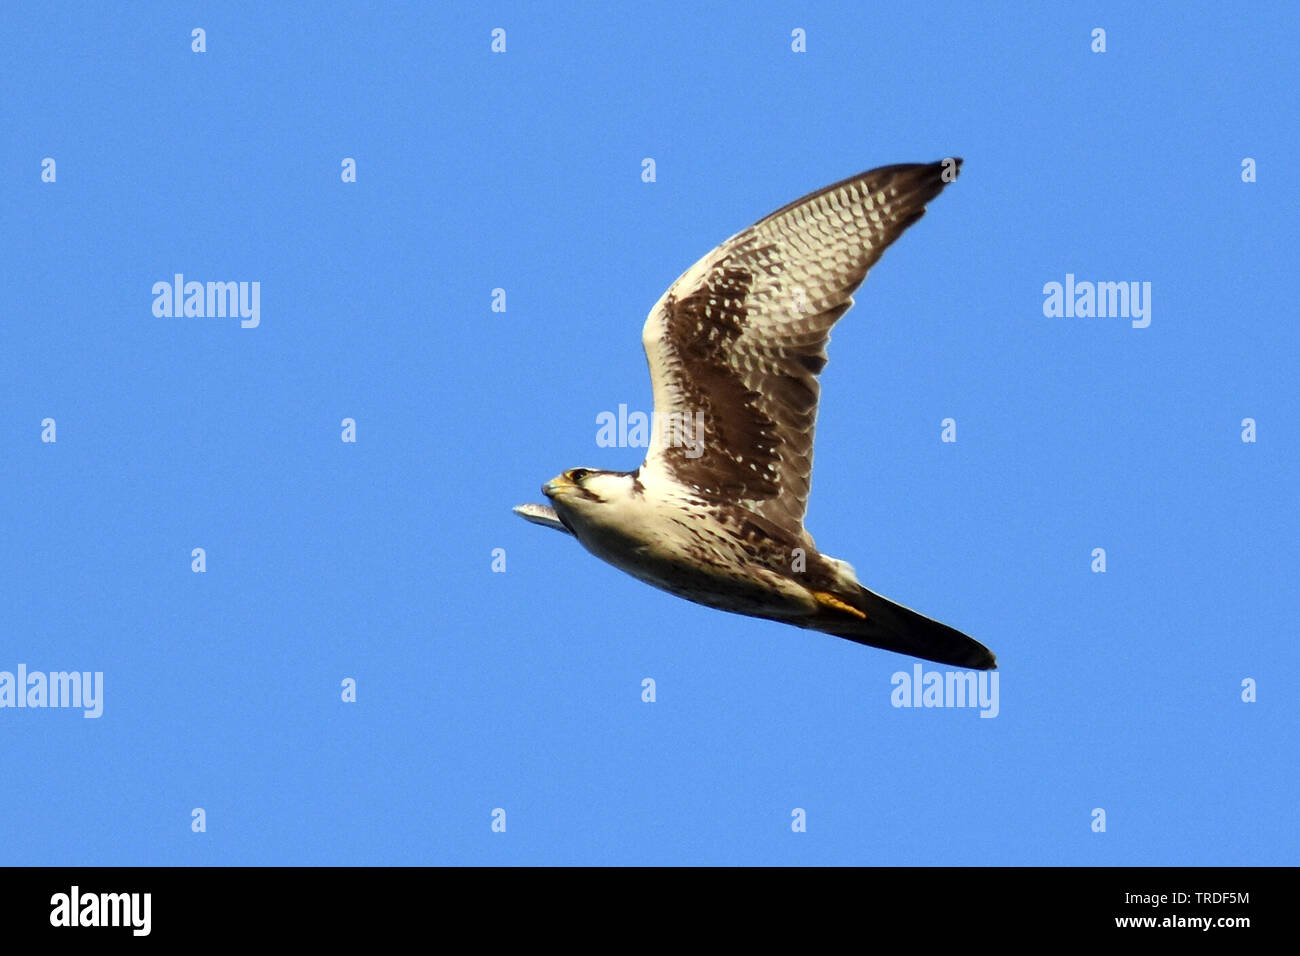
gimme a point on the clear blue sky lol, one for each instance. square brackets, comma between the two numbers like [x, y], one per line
[522, 690]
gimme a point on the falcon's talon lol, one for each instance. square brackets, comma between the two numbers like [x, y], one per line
[831, 601]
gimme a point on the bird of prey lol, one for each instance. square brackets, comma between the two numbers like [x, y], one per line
[735, 346]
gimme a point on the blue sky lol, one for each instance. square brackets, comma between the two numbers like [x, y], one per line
[521, 690]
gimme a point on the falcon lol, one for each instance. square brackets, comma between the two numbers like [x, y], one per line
[715, 512]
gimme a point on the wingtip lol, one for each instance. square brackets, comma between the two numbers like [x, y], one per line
[981, 658]
[942, 166]
[541, 514]
[529, 512]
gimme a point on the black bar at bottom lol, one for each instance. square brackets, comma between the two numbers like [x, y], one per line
[373, 904]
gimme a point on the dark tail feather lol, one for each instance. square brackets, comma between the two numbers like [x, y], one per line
[896, 628]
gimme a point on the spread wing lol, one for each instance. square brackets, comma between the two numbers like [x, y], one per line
[736, 344]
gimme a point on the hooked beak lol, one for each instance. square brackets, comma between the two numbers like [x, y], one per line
[556, 486]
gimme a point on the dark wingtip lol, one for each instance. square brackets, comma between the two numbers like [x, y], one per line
[947, 169]
[894, 627]
[963, 651]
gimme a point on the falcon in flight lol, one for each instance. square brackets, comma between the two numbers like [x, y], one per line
[735, 347]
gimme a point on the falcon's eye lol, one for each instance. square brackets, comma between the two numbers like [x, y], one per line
[577, 474]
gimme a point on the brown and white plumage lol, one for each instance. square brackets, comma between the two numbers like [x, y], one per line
[736, 344]
[742, 334]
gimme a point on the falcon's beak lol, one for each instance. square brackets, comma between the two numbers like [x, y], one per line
[557, 485]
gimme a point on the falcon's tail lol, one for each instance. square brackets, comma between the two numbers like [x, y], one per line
[896, 628]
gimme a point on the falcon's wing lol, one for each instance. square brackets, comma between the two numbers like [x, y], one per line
[543, 515]
[738, 341]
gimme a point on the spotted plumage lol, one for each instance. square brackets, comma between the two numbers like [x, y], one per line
[736, 344]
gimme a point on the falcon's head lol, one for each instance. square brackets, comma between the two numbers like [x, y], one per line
[591, 497]
[590, 485]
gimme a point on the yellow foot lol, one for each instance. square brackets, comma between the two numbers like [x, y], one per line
[827, 599]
